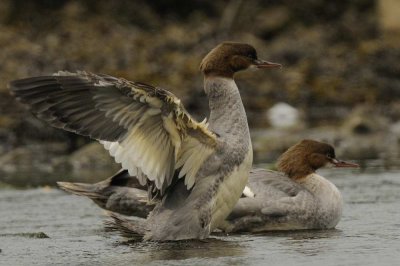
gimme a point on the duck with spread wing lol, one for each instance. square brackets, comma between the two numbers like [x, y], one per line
[197, 170]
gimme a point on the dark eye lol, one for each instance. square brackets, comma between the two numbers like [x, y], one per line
[329, 156]
[251, 56]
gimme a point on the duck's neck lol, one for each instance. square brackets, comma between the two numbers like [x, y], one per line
[320, 187]
[227, 114]
[328, 198]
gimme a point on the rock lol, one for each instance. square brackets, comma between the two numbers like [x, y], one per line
[92, 161]
[364, 120]
[269, 144]
[395, 128]
[5, 8]
[282, 115]
[31, 165]
[271, 21]
[27, 235]
[388, 15]
[367, 135]
[34, 235]
[360, 147]
[47, 163]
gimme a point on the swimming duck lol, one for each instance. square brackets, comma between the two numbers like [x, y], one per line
[295, 197]
[197, 170]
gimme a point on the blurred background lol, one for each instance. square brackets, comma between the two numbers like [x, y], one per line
[340, 82]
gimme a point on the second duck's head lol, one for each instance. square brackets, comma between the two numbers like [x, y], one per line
[230, 57]
[306, 157]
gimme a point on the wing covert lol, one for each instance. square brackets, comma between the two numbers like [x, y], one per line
[145, 128]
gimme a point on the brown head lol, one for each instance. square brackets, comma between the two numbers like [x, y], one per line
[306, 157]
[230, 57]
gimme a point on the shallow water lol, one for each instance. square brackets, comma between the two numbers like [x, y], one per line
[368, 234]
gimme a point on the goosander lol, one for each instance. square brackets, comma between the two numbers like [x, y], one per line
[295, 197]
[197, 170]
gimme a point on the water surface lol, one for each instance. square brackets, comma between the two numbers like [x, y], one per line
[368, 234]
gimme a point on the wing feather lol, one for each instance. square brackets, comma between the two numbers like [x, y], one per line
[144, 128]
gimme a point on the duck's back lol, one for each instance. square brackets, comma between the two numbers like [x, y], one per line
[272, 185]
[283, 204]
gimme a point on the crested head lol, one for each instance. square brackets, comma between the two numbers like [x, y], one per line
[230, 57]
[306, 157]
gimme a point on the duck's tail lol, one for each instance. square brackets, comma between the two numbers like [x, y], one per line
[132, 229]
[82, 189]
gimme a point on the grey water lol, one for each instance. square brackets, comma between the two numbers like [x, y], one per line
[45, 226]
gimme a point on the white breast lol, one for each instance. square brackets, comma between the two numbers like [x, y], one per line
[328, 198]
[230, 191]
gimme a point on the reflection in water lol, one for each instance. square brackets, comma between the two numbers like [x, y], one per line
[308, 242]
[305, 234]
[181, 250]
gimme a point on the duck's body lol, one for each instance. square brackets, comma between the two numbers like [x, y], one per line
[272, 200]
[220, 180]
[196, 172]
[120, 193]
[296, 198]
[283, 204]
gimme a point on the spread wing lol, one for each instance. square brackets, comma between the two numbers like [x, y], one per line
[145, 128]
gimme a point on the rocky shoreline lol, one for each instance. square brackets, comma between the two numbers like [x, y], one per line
[340, 75]
[362, 138]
